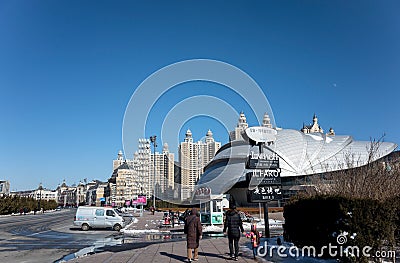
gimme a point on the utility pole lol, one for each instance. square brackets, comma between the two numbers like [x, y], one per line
[40, 195]
[153, 139]
[266, 219]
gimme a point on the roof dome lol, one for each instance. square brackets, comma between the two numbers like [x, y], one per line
[298, 153]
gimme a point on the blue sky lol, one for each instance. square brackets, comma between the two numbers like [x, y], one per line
[69, 68]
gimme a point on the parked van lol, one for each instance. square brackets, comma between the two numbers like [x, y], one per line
[98, 217]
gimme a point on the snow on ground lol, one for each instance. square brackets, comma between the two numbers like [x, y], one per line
[273, 224]
[142, 231]
[213, 229]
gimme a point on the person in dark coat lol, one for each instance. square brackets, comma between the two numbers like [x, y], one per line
[193, 231]
[233, 223]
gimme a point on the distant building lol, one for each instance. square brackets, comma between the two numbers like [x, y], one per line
[142, 159]
[44, 194]
[122, 182]
[24, 194]
[96, 194]
[193, 157]
[163, 180]
[40, 193]
[240, 127]
[134, 177]
[119, 161]
[4, 187]
[312, 128]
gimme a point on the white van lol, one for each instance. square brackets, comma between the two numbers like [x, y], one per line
[98, 217]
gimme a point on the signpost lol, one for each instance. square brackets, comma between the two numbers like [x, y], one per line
[265, 177]
[264, 194]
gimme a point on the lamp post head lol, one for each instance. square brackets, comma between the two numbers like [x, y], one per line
[153, 139]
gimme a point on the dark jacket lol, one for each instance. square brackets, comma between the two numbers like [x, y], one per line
[193, 229]
[233, 223]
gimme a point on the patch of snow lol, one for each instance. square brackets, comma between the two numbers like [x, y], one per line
[142, 231]
[260, 224]
[212, 229]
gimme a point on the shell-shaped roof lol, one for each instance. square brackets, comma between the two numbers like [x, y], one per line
[299, 154]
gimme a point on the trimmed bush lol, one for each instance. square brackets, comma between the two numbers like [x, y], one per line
[16, 204]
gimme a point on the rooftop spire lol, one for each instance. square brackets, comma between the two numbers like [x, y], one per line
[267, 121]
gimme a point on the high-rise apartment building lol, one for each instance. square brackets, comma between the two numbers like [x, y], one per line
[239, 129]
[137, 176]
[4, 187]
[193, 157]
[163, 179]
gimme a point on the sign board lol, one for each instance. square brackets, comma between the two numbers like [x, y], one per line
[262, 194]
[262, 164]
[140, 200]
[202, 193]
[264, 177]
[261, 134]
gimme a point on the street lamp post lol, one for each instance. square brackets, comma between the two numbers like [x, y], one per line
[40, 195]
[153, 139]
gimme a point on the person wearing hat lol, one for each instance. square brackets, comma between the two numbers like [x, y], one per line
[233, 225]
[193, 231]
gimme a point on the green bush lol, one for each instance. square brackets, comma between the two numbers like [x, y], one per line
[15, 204]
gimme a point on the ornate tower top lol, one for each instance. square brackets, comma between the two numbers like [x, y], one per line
[165, 148]
[120, 155]
[315, 119]
[242, 121]
[188, 136]
[267, 121]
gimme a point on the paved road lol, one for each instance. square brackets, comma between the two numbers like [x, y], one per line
[45, 237]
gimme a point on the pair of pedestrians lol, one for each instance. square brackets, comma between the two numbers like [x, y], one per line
[233, 226]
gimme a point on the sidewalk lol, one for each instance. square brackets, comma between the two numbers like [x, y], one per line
[210, 251]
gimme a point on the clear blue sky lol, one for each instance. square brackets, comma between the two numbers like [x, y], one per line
[69, 68]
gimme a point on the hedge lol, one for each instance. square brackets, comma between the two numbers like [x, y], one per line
[15, 204]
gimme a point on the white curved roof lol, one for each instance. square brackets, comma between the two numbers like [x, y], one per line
[299, 154]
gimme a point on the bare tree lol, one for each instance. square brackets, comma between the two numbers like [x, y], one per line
[376, 180]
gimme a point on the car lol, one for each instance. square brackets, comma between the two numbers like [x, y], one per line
[87, 217]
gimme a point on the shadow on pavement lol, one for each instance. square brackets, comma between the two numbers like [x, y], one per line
[205, 254]
[176, 257]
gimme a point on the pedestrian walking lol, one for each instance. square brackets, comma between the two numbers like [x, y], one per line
[233, 226]
[193, 231]
[254, 236]
[172, 215]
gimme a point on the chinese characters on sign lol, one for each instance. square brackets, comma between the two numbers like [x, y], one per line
[265, 193]
[261, 134]
[264, 177]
